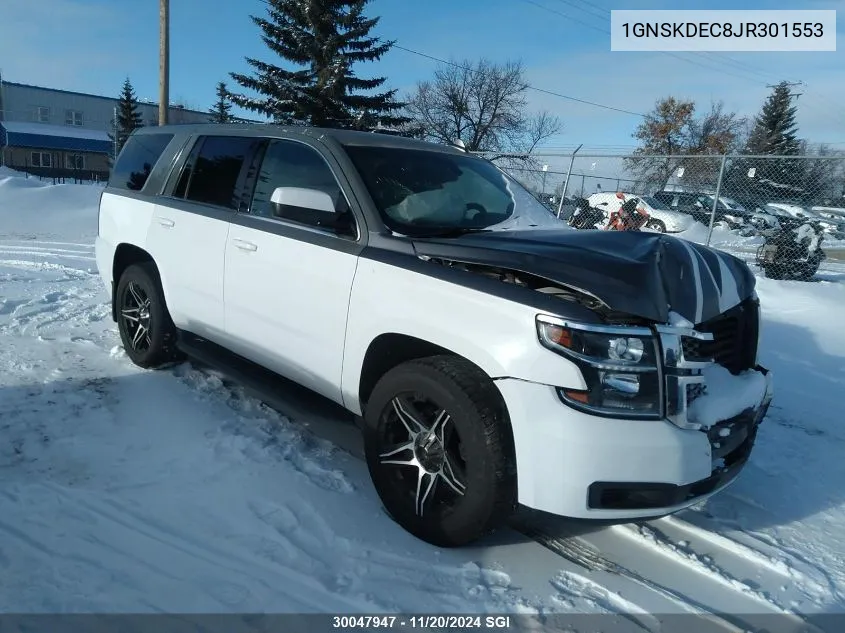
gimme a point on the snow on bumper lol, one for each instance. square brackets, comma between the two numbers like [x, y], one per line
[583, 466]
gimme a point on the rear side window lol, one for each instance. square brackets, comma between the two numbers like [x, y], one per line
[214, 169]
[137, 159]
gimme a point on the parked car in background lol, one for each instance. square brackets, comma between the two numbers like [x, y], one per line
[832, 226]
[661, 218]
[833, 213]
[730, 214]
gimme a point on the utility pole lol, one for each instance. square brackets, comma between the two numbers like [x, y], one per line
[164, 61]
[790, 84]
[116, 148]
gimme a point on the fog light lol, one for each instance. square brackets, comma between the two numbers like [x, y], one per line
[625, 384]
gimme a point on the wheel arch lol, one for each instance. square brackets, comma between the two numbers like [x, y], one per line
[391, 349]
[126, 255]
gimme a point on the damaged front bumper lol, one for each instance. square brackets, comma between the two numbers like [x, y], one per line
[575, 464]
[730, 441]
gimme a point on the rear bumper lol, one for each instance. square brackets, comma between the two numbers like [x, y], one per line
[104, 252]
[586, 467]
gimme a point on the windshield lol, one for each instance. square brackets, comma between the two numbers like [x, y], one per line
[422, 192]
[654, 203]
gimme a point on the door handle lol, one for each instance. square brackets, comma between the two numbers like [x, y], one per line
[166, 223]
[244, 245]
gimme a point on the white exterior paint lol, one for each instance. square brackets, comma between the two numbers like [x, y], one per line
[310, 313]
[497, 335]
[286, 306]
[188, 249]
[560, 452]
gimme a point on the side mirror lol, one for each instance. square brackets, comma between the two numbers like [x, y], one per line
[309, 199]
[314, 208]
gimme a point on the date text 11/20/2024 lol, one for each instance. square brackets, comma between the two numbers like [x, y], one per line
[366, 622]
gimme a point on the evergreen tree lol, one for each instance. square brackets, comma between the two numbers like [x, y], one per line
[775, 129]
[128, 116]
[774, 132]
[221, 111]
[321, 40]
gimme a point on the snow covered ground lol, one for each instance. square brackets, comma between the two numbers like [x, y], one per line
[124, 490]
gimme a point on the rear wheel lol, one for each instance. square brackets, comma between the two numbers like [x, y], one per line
[146, 330]
[656, 225]
[440, 450]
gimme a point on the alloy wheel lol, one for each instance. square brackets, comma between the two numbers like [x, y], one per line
[421, 442]
[137, 320]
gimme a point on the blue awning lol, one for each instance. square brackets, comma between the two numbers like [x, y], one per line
[54, 137]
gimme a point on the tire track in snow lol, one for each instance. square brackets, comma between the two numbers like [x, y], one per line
[72, 307]
[572, 586]
[74, 274]
[35, 240]
[776, 560]
[806, 573]
[590, 560]
[704, 564]
[29, 249]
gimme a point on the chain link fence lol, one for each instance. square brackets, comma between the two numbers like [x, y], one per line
[784, 215]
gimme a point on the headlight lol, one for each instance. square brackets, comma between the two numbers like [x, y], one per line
[619, 365]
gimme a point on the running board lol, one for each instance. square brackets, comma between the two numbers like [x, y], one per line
[320, 416]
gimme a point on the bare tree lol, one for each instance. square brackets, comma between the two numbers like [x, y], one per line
[671, 132]
[717, 132]
[483, 105]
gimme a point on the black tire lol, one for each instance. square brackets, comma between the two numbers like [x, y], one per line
[656, 225]
[139, 284]
[477, 443]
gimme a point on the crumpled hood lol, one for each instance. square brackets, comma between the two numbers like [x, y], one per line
[647, 275]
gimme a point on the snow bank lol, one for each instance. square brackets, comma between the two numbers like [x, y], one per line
[720, 239]
[727, 395]
[30, 207]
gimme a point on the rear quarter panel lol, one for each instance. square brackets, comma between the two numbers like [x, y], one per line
[124, 219]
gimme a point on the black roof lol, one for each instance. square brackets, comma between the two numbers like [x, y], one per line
[344, 137]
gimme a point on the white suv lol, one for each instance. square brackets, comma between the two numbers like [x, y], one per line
[492, 355]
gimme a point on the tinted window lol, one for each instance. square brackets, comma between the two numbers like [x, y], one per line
[212, 176]
[293, 164]
[137, 159]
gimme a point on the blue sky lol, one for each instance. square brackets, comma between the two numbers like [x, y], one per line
[92, 45]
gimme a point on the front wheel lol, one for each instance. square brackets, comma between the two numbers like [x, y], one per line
[656, 225]
[440, 450]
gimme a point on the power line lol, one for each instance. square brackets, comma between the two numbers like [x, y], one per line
[751, 73]
[534, 88]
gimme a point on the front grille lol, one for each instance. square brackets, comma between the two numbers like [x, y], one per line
[734, 344]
